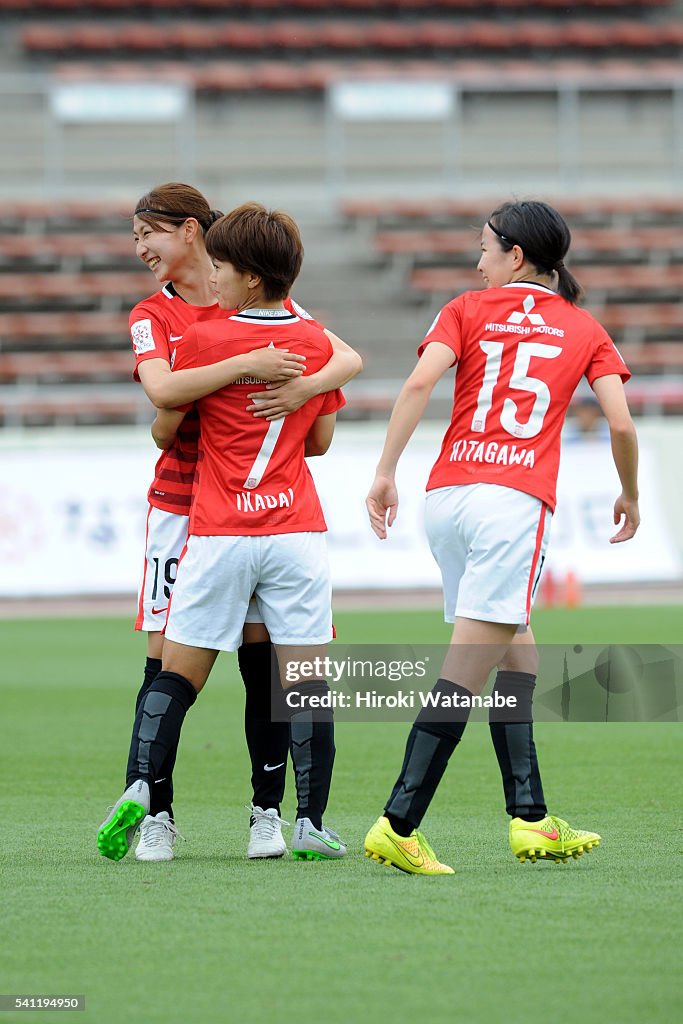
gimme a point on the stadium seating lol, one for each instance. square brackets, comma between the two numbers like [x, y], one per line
[653, 244]
[80, 406]
[634, 283]
[51, 367]
[607, 210]
[627, 254]
[302, 45]
[66, 252]
[68, 273]
[441, 38]
[59, 290]
[44, 330]
[307, 7]
[311, 74]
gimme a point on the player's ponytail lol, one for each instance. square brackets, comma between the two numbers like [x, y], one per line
[543, 236]
[213, 216]
[567, 285]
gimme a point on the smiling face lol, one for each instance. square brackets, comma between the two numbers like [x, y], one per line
[496, 266]
[235, 289]
[163, 250]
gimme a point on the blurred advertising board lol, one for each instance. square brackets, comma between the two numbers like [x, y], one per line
[72, 519]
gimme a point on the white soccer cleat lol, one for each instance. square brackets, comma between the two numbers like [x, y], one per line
[265, 833]
[309, 843]
[157, 837]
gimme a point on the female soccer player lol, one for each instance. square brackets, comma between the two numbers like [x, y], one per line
[169, 227]
[521, 347]
[256, 527]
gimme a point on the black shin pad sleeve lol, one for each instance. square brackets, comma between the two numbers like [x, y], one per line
[512, 732]
[434, 736]
[312, 748]
[267, 740]
[156, 731]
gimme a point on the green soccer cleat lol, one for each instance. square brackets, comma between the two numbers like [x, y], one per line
[117, 831]
[412, 853]
[552, 839]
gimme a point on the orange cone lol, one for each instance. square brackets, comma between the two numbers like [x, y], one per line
[548, 592]
[572, 590]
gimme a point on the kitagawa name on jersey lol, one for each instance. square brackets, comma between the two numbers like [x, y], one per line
[251, 502]
[493, 453]
[557, 332]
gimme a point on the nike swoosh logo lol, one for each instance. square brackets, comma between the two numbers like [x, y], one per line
[176, 337]
[408, 856]
[272, 767]
[332, 843]
[158, 611]
[549, 835]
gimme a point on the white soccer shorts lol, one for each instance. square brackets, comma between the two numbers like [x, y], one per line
[489, 542]
[165, 540]
[288, 575]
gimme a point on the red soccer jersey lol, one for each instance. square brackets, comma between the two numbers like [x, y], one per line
[157, 326]
[252, 477]
[521, 350]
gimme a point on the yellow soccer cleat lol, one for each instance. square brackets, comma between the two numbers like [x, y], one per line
[551, 839]
[407, 853]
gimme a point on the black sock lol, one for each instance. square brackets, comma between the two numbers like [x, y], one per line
[157, 726]
[161, 790]
[434, 736]
[312, 749]
[267, 739]
[512, 732]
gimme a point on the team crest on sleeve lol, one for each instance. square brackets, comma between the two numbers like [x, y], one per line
[143, 339]
[434, 322]
[300, 311]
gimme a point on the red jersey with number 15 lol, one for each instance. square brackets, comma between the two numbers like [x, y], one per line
[521, 350]
[157, 328]
[252, 478]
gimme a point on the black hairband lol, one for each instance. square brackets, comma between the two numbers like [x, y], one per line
[506, 238]
[171, 216]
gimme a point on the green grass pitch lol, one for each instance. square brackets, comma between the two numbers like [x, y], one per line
[212, 937]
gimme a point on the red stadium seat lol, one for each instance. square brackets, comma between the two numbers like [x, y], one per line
[293, 35]
[54, 327]
[340, 35]
[667, 355]
[24, 289]
[61, 408]
[381, 34]
[68, 250]
[24, 367]
[414, 7]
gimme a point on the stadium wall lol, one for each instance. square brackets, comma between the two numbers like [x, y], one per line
[72, 509]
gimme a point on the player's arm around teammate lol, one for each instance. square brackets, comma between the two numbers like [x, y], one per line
[256, 502]
[286, 397]
[169, 228]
